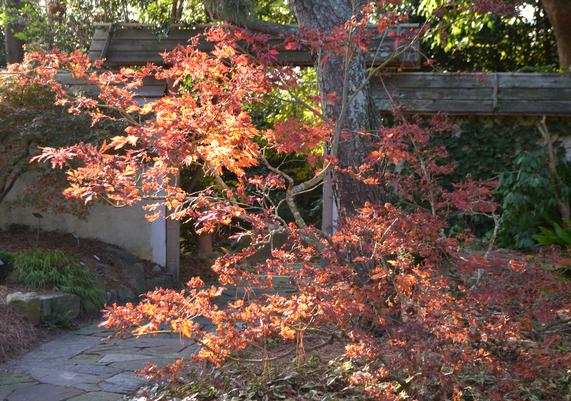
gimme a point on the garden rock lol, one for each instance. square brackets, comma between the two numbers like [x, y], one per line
[125, 294]
[135, 274]
[37, 307]
[110, 297]
[160, 281]
[123, 256]
[67, 305]
[27, 304]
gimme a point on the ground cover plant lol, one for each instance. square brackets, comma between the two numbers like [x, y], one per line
[55, 270]
[418, 318]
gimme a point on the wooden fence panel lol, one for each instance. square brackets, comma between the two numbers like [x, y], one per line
[474, 93]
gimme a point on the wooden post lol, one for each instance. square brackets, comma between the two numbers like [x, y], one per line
[173, 247]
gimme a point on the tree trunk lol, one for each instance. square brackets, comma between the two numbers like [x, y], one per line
[349, 194]
[559, 14]
[14, 46]
[205, 247]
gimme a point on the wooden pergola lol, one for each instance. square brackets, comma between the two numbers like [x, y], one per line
[139, 44]
[414, 92]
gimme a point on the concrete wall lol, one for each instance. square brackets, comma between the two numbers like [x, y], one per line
[124, 227]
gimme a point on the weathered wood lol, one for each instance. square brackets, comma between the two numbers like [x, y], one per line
[455, 93]
[435, 80]
[474, 93]
[436, 106]
[133, 44]
[421, 93]
[152, 89]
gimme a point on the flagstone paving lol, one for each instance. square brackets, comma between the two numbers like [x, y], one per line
[86, 366]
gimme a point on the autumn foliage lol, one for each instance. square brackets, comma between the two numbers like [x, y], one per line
[423, 319]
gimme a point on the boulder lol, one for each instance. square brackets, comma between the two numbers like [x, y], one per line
[125, 294]
[135, 274]
[120, 255]
[37, 307]
[160, 281]
[68, 305]
[110, 297]
[28, 304]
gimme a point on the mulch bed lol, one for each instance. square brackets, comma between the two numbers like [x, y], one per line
[16, 334]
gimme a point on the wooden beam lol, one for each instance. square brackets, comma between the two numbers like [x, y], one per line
[152, 89]
[136, 44]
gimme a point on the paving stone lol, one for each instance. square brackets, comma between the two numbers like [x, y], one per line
[93, 330]
[114, 349]
[69, 378]
[6, 390]
[173, 342]
[160, 351]
[7, 378]
[65, 347]
[93, 369]
[123, 383]
[188, 351]
[97, 396]
[135, 365]
[43, 392]
[85, 367]
[86, 358]
[110, 358]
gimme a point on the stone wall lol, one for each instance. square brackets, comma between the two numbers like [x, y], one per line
[124, 227]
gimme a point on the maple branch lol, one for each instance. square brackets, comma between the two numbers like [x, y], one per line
[289, 195]
[330, 340]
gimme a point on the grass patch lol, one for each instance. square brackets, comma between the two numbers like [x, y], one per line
[54, 269]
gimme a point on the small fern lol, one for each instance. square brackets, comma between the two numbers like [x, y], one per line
[556, 235]
[56, 270]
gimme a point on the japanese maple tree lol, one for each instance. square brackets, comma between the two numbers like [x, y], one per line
[422, 319]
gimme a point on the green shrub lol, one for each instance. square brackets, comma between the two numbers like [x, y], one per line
[556, 235]
[56, 270]
[528, 197]
[7, 260]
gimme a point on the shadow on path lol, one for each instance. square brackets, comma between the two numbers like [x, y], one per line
[86, 366]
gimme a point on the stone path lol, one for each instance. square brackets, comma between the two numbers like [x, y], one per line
[85, 366]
